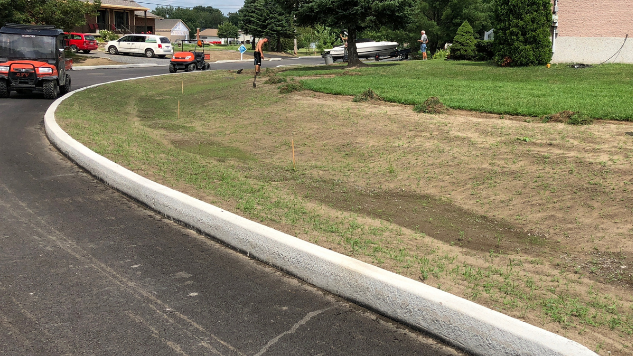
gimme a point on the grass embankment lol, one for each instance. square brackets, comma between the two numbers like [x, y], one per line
[532, 219]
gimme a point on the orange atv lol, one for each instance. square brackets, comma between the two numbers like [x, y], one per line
[189, 60]
[32, 59]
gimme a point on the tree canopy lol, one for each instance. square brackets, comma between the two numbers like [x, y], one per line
[227, 30]
[63, 14]
[522, 32]
[355, 16]
[197, 17]
[266, 18]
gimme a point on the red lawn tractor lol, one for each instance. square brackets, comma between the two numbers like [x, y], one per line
[32, 59]
[189, 60]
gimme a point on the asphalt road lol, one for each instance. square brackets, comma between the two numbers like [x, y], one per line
[85, 270]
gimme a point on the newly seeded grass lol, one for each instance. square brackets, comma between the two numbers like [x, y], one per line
[529, 218]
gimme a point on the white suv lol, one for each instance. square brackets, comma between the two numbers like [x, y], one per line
[150, 45]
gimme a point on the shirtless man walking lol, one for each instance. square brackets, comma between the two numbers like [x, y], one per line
[259, 55]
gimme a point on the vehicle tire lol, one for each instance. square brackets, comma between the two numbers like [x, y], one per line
[4, 89]
[51, 89]
[172, 69]
[162, 56]
[74, 49]
[149, 53]
[86, 51]
[67, 86]
[192, 67]
[207, 66]
[113, 50]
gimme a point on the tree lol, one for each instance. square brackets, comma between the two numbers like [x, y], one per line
[441, 19]
[252, 20]
[234, 18]
[464, 43]
[355, 16]
[227, 30]
[522, 36]
[197, 17]
[266, 18]
[63, 14]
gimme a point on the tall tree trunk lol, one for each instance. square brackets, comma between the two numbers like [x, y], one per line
[352, 52]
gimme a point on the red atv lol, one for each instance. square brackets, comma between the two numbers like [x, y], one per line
[32, 59]
[189, 60]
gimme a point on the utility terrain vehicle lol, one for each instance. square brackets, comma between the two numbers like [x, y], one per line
[32, 59]
[189, 60]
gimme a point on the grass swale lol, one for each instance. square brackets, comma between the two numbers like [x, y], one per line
[530, 218]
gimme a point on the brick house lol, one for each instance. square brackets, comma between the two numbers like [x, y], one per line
[590, 31]
[120, 16]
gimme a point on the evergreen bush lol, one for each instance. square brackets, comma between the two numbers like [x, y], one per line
[464, 43]
[522, 32]
[484, 50]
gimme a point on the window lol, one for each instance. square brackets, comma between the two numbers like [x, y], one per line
[164, 40]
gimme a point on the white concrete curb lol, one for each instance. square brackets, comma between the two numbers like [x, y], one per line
[469, 326]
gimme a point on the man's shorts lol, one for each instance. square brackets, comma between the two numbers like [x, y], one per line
[258, 58]
[423, 47]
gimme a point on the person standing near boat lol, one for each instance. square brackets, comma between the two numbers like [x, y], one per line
[423, 41]
[344, 39]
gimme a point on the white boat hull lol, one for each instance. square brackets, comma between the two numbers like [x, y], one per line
[366, 49]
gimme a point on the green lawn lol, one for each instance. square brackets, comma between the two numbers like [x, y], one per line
[601, 92]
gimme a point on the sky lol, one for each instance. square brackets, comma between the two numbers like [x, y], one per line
[225, 6]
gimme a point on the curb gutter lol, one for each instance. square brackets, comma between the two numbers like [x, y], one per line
[462, 323]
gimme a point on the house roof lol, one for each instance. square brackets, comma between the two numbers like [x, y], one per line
[122, 4]
[150, 15]
[212, 32]
[168, 24]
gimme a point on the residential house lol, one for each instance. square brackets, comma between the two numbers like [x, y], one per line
[590, 31]
[115, 15]
[173, 29]
[210, 35]
[145, 21]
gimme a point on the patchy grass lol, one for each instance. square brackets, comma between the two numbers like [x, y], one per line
[532, 219]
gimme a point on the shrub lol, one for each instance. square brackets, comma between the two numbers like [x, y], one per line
[441, 54]
[522, 32]
[464, 43]
[105, 36]
[484, 50]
